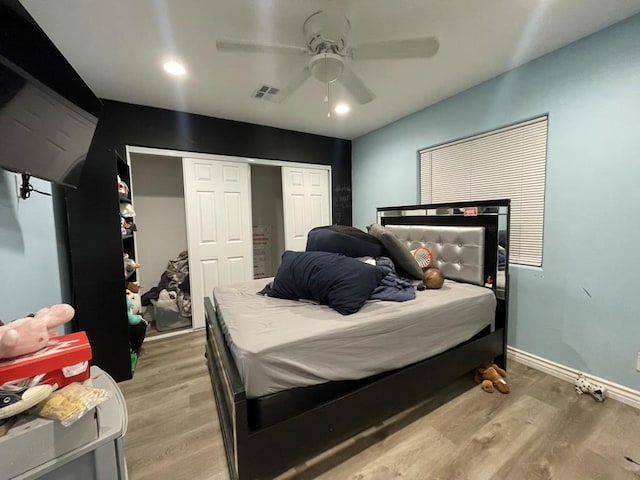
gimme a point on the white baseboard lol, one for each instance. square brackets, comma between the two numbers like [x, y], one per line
[175, 333]
[618, 392]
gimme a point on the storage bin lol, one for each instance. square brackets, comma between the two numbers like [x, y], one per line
[90, 449]
[168, 319]
[38, 441]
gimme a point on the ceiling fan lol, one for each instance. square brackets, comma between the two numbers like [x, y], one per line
[329, 50]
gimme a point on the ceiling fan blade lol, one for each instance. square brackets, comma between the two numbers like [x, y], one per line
[355, 86]
[292, 86]
[227, 45]
[424, 47]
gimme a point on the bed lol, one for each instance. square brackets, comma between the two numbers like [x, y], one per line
[292, 379]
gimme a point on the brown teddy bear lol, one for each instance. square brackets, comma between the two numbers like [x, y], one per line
[492, 376]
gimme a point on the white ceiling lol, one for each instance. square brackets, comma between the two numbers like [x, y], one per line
[118, 47]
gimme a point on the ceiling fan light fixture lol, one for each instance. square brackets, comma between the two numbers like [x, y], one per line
[326, 67]
[342, 109]
[174, 68]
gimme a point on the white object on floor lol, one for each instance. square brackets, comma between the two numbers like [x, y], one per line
[615, 391]
[582, 385]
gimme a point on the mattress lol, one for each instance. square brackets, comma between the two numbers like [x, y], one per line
[281, 344]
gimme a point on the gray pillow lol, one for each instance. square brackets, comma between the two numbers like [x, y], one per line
[397, 251]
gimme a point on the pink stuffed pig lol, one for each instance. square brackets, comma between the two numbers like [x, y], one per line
[30, 334]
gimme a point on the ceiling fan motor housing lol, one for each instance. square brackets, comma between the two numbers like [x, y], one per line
[326, 33]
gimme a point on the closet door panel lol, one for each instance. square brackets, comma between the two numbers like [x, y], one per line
[299, 229]
[206, 209]
[307, 203]
[237, 269]
[218, 211]
[233, 215]
[318, 212]
[209, 277]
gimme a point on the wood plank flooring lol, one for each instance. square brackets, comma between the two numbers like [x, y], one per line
[173, 426]
[542, 430]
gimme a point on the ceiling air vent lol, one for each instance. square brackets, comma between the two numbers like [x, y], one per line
[265, 92]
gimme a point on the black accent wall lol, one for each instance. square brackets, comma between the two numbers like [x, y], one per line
[92, 210]
[24, 43]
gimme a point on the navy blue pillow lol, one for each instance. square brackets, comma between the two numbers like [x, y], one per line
[341, 282]
[343, 239]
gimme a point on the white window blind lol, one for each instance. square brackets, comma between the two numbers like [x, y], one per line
[506, 163]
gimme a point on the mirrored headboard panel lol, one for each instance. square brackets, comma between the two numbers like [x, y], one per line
[493, 215]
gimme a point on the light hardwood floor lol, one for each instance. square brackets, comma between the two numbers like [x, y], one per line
[541, 430]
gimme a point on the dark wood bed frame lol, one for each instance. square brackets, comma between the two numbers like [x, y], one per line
[263, 453]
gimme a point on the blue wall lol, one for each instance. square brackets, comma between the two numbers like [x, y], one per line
[33, 275]
[591, 92]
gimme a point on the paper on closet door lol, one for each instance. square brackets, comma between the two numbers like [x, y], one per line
[262, 251]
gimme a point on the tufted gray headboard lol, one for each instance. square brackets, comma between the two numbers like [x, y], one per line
[457, 251]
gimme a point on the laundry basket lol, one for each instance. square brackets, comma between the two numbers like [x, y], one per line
[168, 319]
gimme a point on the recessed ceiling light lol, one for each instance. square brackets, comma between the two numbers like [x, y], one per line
[174, 68]
[342, 108]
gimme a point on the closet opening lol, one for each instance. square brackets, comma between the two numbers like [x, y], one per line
[157, 192]
[205, 220]
[267, 219]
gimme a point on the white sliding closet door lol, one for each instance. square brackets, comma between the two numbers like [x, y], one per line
[218, 207]
[307, 203]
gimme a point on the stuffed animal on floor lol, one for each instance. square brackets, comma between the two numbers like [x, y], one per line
[490, 377]
[30, 334]
[582, 385]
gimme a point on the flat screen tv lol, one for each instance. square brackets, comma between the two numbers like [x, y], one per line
[42, 133]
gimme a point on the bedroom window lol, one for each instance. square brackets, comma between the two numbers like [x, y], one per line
[505, 163]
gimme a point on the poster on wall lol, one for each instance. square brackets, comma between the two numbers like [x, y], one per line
[261, 251]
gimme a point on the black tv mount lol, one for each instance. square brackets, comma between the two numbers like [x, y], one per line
[26, 188]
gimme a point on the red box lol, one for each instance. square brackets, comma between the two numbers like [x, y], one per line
[63, 361]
